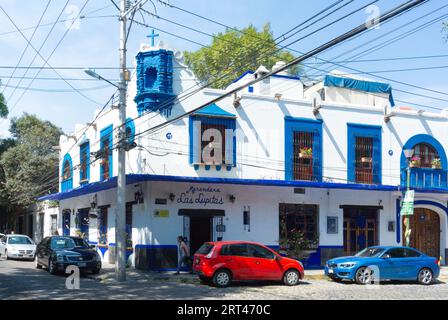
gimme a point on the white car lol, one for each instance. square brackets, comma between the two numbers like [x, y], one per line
[17, 246]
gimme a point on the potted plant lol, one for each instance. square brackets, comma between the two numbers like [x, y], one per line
[415, 162]
[297, 246]
[366, 159]
[306, 153]
[436, 163]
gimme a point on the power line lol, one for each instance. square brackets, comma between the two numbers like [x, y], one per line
[27, 45]
[51, 54]
[177, 99]
[393, 40]
[358, 30]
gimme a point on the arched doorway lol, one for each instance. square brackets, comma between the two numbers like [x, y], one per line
[425, 235]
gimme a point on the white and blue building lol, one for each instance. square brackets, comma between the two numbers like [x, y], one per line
[325, 159]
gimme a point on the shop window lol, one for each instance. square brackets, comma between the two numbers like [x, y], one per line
[299, 225]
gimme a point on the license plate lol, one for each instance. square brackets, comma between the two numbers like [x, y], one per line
[82, 264]
[330, 271]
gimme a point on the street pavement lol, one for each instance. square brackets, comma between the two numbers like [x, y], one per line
[20, 280]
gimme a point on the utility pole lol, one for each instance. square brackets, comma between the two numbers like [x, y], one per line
[120, 214]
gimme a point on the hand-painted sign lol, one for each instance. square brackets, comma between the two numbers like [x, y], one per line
[407, 208]
[202, 196]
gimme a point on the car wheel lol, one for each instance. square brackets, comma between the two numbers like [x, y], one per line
[222, 278]
[364, 275]
[37, 264]
[291, 278]
[51, 267]
[425, 276]
[96, 271]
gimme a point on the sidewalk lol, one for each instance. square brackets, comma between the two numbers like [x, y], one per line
[107, 275]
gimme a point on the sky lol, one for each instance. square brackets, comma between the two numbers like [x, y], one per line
[92, 42]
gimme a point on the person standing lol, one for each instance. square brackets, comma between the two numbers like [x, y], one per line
[184, 254]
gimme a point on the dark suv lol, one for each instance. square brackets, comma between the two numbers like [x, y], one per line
[56, 253]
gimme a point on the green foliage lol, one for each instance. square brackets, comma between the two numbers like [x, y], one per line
[3, 107]
[295, 241]
[232, 53]
[30, 164]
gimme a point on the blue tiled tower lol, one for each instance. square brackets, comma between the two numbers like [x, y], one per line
[155, 81]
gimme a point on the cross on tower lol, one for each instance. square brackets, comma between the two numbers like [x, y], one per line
[153, 36]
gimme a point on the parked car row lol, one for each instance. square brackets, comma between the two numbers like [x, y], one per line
[220, 263]
[55, 253]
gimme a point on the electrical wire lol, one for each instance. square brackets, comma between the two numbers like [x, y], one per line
[27, 45]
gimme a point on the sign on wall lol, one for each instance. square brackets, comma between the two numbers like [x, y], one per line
[203, 196]
[161, 213]
[407, 208]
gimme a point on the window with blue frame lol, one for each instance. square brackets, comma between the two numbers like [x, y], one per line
[130, 130]
[212, 141]
[364, 154]
[303, 151]
[67, 173]
[84, 161]
[428, 165]
[106, 145]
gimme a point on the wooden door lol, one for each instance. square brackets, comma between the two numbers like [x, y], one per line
[425, 231]
[360, 230]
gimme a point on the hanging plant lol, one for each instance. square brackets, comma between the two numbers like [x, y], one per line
[306, 153]
[436, 163]
[415, 162]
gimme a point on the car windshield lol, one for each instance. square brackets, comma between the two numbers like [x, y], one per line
[68, 243]
[370, 252]
[19, 240]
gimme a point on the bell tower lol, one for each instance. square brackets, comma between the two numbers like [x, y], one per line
[155, 81]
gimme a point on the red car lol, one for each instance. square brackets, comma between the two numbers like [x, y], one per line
[224, 261]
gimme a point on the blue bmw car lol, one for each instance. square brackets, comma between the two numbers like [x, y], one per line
[384, 263]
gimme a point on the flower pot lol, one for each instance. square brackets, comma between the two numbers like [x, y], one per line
[436, 166]
[305, 155]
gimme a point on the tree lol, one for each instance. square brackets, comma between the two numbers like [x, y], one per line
[232, 53]
[30, 166]
[3, 107]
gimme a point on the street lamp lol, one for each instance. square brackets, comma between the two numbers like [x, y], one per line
[95, 75]
[408, 153]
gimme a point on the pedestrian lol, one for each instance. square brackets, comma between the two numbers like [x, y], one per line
[184, 254]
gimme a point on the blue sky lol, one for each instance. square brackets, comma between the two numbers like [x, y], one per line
[95, 44]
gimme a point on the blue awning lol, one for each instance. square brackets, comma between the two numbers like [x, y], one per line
[367, 86]
[212, 110]
[135, 178]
